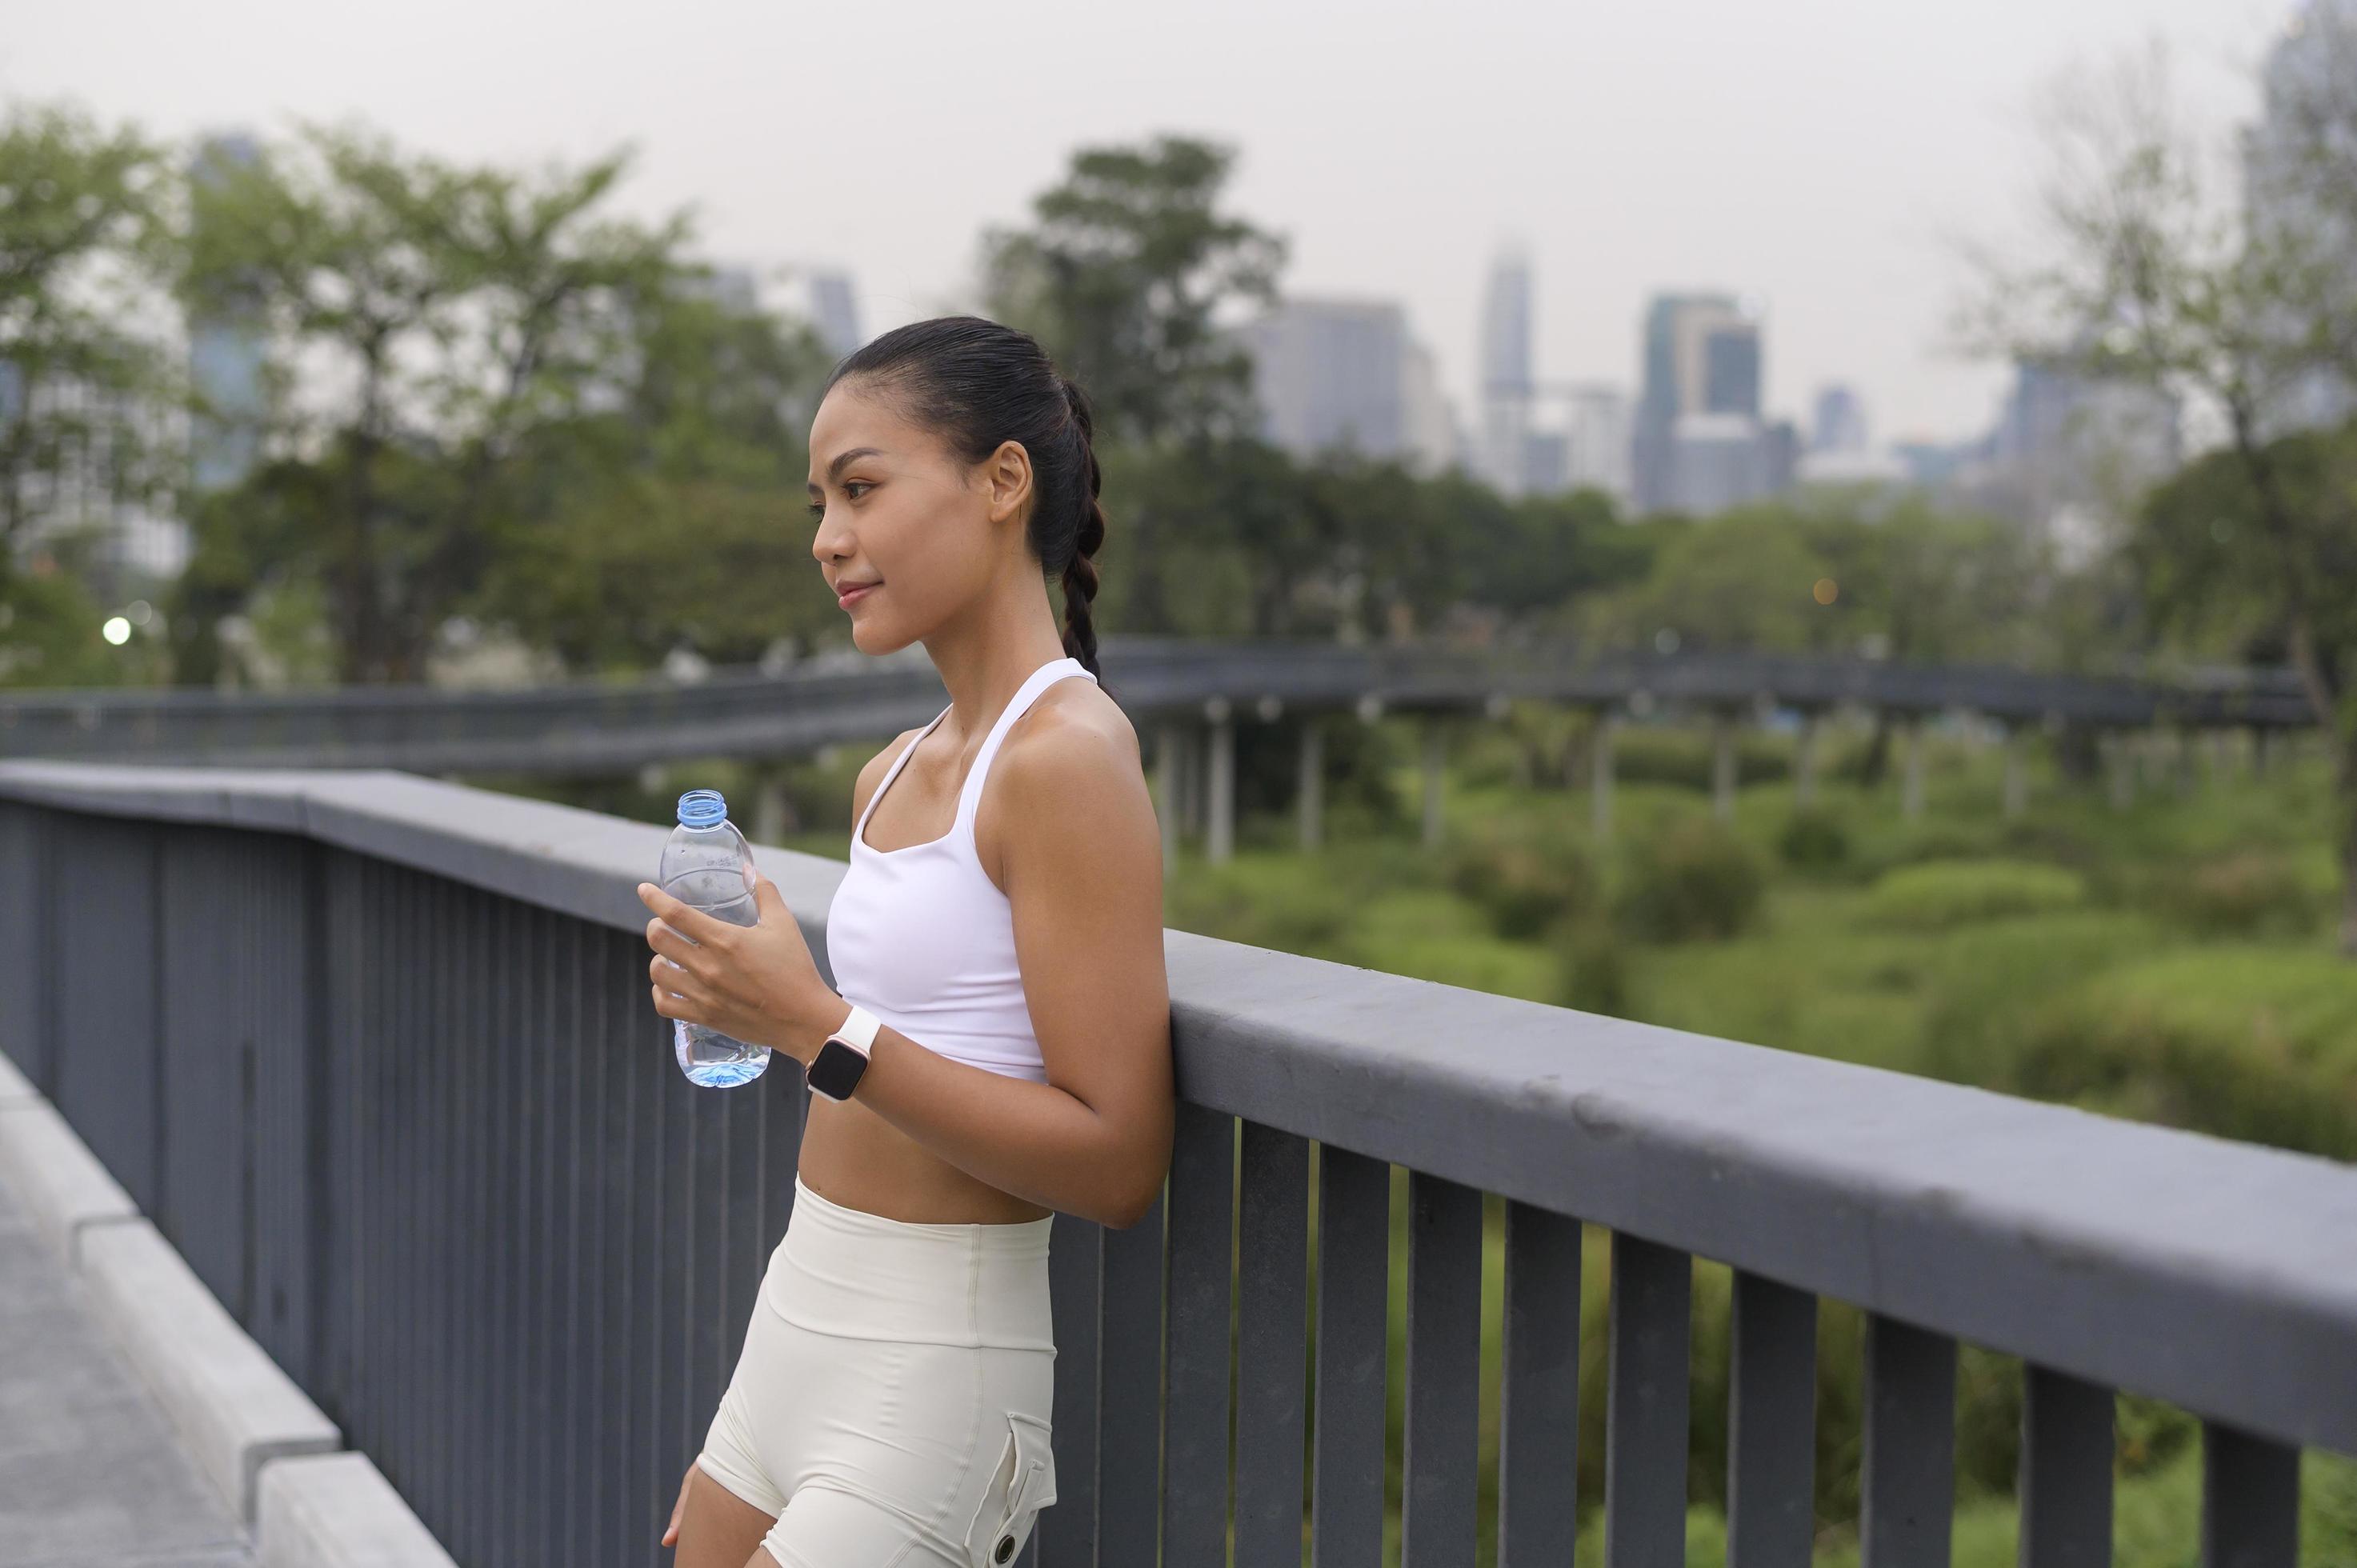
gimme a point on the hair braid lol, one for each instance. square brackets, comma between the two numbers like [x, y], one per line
[1080, 574]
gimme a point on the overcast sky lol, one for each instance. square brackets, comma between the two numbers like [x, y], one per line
[1815, 152]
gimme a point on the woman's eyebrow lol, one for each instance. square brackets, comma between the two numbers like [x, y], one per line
[844, 460]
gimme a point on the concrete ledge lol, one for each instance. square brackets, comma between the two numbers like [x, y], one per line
[336, 1511]
[59, 1179]
[234, 1406]
[15, 1089]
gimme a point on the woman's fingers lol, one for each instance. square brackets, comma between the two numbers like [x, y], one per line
[679, 1508]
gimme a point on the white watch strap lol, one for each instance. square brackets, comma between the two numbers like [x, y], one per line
[859, 1031]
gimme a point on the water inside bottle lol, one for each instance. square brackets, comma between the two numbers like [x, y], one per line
[706, 1055]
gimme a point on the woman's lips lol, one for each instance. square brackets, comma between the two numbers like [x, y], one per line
[848, 599]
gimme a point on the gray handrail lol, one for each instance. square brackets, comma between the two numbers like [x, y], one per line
[2219, 1275]
[742, 713]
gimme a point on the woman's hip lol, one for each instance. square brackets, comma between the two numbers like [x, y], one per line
[856, 1275]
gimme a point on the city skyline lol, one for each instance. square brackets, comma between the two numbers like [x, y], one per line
[1528, 123]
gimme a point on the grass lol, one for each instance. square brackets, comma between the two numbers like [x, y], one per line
[2171, 962]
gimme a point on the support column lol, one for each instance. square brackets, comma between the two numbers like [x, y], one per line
[1722, 767]
[2263, 744]
[1804, 762]
[2121, 766]
[1219, 782]
[2017, 774]
[1910, 796]
[1436, 753]
[773, 812]
[1311, 786]
[1169, 740]
[1191, 782]
[1599, 777]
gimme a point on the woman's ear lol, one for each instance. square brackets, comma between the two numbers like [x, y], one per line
[1008, 473]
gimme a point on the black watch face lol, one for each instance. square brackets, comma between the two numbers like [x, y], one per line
[837, 1068]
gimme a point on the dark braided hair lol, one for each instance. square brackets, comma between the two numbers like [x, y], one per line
[977, 383]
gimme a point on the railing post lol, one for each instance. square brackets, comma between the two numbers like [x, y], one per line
[1311, 786]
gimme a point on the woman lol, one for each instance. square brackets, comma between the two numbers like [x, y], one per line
[999, 932]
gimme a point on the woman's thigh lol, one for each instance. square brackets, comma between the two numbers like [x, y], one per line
[717, 1529]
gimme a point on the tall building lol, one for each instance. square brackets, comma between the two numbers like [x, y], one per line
[1596, 427]
[1698, 443]
[834, 311]
[1507, 388]
[1333, 373]
[1840, 424]
[2304, 99]
[227, 349]
[2069, 453]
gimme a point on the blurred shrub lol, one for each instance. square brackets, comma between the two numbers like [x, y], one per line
[1592, 974]
[1690, 878]
[1266, 901]
[1682, 755]
[1524, 878]
[1939, 894]
[2251, 1043]
[2248, 893]
[1813, 838]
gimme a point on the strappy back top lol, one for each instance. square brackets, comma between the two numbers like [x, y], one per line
[923, 939]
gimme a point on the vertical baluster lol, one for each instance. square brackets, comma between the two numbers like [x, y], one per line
[1067, 1533]
[1771, 1424]
[1444, 1373]
[1197, 1294]
[1271, 1343]
[1538, 1396]
[2250, 1499]
[1129, 1412]
[1645, 1405]
[1346, 1506]
[1908, 1482]
[2065, 1476]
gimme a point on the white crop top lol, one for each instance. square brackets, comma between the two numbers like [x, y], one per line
[923, 939]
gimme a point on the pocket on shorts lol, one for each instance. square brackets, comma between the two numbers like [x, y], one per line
[1023, 1484]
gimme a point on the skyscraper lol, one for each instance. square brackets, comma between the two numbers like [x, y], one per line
[1841, 421]
[228, 345]
[2288, 158]
[1506, 385]
[1330, 373]
[1698, 443]
[833, 312]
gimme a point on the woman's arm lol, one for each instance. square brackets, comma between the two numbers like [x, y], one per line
[1080, 858]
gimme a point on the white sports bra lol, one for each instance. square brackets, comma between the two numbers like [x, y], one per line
[923, 939]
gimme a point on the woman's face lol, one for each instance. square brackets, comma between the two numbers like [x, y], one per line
[896, 508]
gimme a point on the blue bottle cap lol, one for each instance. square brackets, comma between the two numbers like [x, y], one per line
[702, 809]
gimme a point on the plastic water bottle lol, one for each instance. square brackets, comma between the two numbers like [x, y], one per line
[707, 864]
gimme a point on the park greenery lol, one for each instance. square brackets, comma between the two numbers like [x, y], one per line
[493, 401]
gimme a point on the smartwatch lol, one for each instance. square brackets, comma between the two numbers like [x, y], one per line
[842, 1056]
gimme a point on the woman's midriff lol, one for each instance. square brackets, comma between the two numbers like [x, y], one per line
[852, 1156]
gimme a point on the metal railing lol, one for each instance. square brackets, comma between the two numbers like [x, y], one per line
[590, 726]
[376, 1053]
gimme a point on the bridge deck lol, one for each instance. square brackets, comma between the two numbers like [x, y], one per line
[92, 1473]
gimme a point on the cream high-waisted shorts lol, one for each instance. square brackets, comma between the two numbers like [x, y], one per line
[891, 1402]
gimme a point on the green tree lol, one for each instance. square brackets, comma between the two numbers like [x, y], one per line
[78, 382]
[1126, 265]
[467, 310]
[1125, 268]
[2150, 274]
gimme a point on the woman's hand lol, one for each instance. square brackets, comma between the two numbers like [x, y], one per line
[679, 1508]
[757, 984]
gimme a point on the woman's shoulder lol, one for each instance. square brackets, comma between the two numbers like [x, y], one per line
[1071, 758]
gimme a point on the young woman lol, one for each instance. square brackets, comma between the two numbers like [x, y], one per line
[1000, 1046]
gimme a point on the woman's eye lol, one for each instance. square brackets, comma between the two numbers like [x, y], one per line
[857, 485]
[818, 512]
